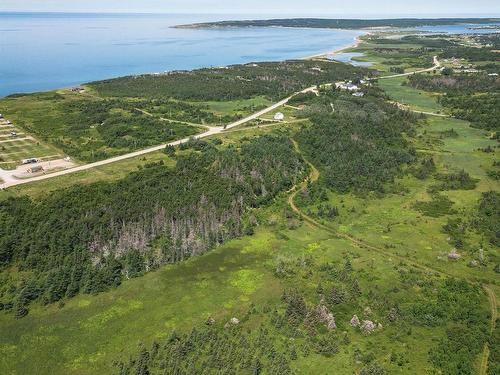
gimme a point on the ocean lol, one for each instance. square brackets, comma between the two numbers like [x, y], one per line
[47, 51]
[44, 51]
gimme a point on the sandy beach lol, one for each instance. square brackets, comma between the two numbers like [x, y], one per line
[355, 44]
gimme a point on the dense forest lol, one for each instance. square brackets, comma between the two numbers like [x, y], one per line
[275, 80]
[360, 145]
[87, 238]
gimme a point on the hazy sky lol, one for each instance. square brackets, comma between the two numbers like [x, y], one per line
[306, 7]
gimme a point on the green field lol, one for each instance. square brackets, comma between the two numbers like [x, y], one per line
[416, 99]
[22, 146]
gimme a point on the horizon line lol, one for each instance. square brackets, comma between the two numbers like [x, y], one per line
[332, 16]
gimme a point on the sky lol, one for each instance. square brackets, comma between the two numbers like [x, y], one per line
[351, 8]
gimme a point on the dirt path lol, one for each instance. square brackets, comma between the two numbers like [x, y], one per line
[483, 368]
[314, 176]
[172, 120]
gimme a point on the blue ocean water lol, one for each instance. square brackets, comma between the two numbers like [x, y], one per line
[43, 51]
[47, 51]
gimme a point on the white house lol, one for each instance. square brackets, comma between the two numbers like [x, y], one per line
[349, 86]
[279, 116]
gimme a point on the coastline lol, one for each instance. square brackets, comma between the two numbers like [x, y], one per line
[357, 41]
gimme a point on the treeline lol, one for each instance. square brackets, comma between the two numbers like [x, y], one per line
[88, 238]
[357, 143]
[343, 23]
[455, 84]
[472, 97]
[274, 80]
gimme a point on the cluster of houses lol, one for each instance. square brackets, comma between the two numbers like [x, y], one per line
[78, 90]
[351, 87]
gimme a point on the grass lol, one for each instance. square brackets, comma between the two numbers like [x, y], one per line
[89, 332]
[14, 149]
[109, 172]
[242, 107]
[416, 99]
[393, 222]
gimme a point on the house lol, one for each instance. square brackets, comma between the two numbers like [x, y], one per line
[13, 134]
[78, 89]
[35, 169]
[491, 75]
[1, 116]
[279, 116]
[358, 94]
[349, 86]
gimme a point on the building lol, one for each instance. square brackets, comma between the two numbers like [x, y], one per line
[358, 94]
[349, 86]
[35, 169]
[279, 116]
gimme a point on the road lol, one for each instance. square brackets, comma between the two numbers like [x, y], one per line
[437, 65]
[10, 180]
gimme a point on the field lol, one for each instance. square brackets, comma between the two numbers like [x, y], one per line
[14, 148]
[416, 99]
[88, 333]
[411, 248]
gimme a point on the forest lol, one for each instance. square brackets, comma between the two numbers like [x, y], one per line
[471, 97]
[274, 80]
[88, 238]
[360, 146]
[355, 236]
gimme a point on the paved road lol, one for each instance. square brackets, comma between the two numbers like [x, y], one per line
[10, 180]
[437, 65]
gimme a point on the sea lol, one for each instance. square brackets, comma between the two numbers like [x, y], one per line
[47, 51]
[44, 51]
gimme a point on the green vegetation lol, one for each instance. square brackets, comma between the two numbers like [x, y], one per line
[90, 128]
[475, 97]
[355, 235]
[269, 79]
[143, 221]
[343, 23]
[360, 146]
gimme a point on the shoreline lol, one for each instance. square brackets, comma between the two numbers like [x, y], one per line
[357, 41]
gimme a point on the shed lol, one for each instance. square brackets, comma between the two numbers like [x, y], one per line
[35, 169]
